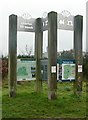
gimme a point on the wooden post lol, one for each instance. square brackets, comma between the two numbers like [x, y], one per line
[38, 52]
[87, 57]
[78, 28]
[12, 55]
[1, 88]
[52, 55]
[87, 27]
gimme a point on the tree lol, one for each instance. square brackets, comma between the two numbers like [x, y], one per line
[85, 66]
[28, 50]
[26, 53]
[68, 54]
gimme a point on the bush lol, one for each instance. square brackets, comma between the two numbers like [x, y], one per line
[85, 66]
[4, 67]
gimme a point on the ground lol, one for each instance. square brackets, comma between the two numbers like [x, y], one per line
[29, 104]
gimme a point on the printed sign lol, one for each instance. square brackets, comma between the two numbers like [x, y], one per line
[68, 71]
[79, 68]
[25, 70]
[57, 71]
[65, 21]
[27, 25]
[53, 69]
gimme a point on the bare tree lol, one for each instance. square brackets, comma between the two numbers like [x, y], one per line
[28, 50]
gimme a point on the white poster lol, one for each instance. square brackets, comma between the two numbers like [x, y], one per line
[79, 68]
[57, 71]
[53, 69]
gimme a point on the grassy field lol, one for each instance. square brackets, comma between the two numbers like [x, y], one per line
[28, 104]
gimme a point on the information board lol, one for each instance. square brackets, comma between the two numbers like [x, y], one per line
[68, 70]
[65, 70]
[25, 70]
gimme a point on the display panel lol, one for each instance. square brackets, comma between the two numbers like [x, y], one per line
[26, 70]
[66, 70]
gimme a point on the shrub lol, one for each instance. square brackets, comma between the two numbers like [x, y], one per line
[4, 67]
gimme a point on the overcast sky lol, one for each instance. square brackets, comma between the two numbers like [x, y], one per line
[36, 8]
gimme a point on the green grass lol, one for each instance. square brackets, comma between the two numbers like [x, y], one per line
[29, 104]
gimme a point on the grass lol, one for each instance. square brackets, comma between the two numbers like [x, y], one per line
[29, 104]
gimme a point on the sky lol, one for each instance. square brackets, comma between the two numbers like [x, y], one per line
[36, 8]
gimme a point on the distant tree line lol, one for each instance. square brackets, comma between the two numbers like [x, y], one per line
[68, 55]
[25, 56]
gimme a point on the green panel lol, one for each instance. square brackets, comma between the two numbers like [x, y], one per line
[68, 71]
[25, 70]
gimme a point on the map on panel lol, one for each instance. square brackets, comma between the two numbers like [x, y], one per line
[68, 71]
[26, 70]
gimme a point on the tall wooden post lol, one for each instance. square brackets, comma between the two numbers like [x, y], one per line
[0, 89]
[38, 52]
[87, 42]
[12, 55]
[78, 28]
[52, 55]
[87, 58]
[87, 27]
